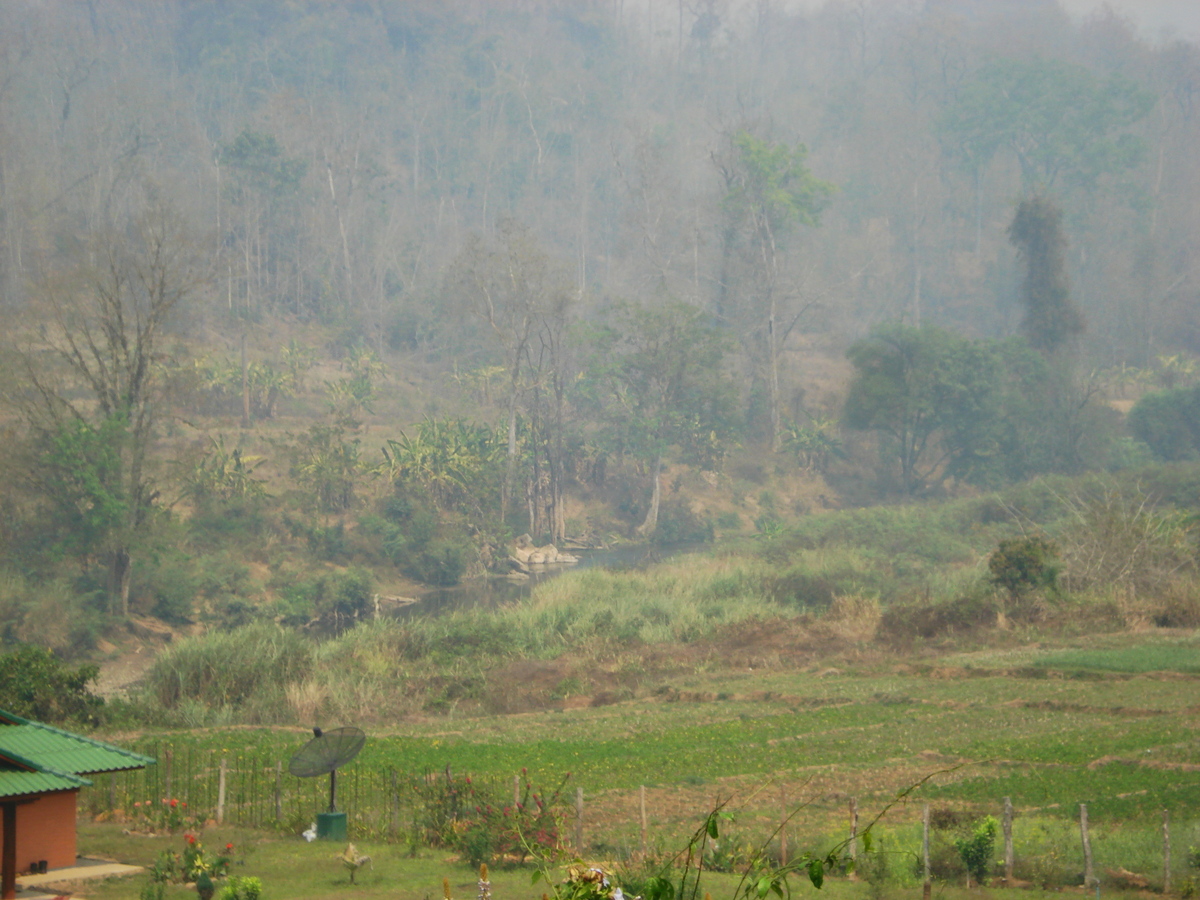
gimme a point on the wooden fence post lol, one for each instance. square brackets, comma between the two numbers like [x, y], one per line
[924, 845]
[1089, 876]
[221, 791]
[645, 846]
[783, 813]
[395, 802]
[853, 829]
[1008, 843]
[579, 820]
[1166, 852]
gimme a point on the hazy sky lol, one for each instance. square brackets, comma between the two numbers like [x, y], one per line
[1175, 18]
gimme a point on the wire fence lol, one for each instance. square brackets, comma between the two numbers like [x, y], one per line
[194, 788]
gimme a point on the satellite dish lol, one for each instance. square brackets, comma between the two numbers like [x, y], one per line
[327, 752]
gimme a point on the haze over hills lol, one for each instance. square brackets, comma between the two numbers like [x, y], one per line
[317, 301]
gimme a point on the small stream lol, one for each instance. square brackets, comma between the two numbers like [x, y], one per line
[496, 591]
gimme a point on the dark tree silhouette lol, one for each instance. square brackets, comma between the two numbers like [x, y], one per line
[1050, 319]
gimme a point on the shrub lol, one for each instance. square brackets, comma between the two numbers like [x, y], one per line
[442, 562]
[1021, 565]
[36, 685]
[241, 887]
[976, 850]
[1169, 423]
[1116, 537]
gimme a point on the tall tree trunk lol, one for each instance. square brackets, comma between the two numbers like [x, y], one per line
[120, 574]
[649, 526]
[773, 379]
[510, 470]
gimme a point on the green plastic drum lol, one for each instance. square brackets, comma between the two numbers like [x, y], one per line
[331, 826]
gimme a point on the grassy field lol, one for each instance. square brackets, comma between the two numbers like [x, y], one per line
[1110, 721]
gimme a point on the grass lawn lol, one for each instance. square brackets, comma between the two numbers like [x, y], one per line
[293, 869]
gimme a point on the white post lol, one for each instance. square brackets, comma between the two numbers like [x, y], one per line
[1089, 876]
[1008, 841]
[221, 791]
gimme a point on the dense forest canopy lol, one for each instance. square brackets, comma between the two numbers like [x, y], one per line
[420, 270]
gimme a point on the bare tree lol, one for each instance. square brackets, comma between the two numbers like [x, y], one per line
[92, 378]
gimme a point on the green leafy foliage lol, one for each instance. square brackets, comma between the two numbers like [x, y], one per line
[1050, 318]
[772, 186]
[657, 376]
[260, 163]
[36, 685]
[1020, 565]
[81, 475]
[1060, 122]
[456, 463]
[1169, 423]
[936, 397]
[976, 851]
[241, 887]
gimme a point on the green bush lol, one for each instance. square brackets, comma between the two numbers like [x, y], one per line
[241, 887]
[35, 685]
[1020, 565]
[976, 850]
[441, 562]
[1169, 423]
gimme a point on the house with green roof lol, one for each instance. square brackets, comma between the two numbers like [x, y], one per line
[42, 769]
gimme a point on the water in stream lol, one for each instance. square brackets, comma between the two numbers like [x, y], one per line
[493, 592]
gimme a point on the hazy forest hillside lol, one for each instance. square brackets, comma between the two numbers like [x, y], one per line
[309, 302]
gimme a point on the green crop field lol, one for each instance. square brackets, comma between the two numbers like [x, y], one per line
[1110, 725]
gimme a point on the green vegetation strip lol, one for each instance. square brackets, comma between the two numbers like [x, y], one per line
[1031, 739]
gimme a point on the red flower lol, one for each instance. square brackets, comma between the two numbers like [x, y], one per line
[191, 838]
[229, 846]
[184, 804]
[174, 803]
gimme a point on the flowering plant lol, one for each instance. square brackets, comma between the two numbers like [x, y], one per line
[194, 861]
[510, 832]
[168, 815]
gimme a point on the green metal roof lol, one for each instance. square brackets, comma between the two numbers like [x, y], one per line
[36, 758]
[16, 782]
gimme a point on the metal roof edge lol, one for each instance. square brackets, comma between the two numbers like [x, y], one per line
[136, 760]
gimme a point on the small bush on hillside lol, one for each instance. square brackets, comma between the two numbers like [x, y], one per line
[1169, 423]
[1021, 565]
[803, 588]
